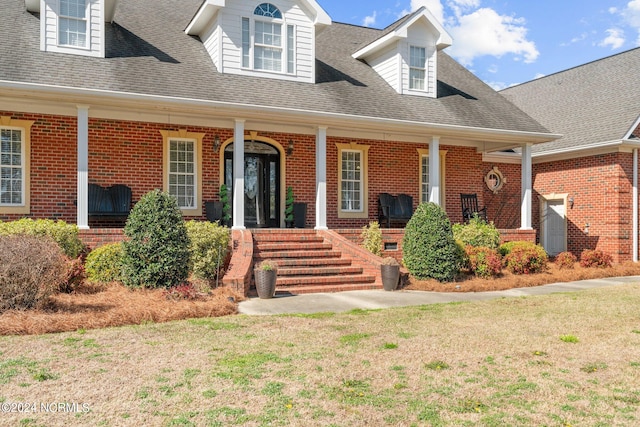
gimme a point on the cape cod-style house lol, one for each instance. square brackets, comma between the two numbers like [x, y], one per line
[260, 96]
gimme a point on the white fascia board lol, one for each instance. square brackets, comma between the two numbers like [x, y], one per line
[110, 10]
[633, 128]
[32, 5]
[266, 113]
[511, 158]
[620, 145]
[203, 16]
[322, 18]
[444, 39]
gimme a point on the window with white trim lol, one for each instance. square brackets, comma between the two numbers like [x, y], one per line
[15, 153]
[352, 180]
[72, 23]
[417, 67]
[12, 171]
[268, 44]
[182, 172]
[183, 169]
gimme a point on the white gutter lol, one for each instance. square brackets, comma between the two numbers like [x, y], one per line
[573, 150]
[262, 112]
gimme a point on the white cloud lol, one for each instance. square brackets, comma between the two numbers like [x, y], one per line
[485, 32]
[615, 39]
[632, 13]
[370, 20]
[539, 76]
[613, 10]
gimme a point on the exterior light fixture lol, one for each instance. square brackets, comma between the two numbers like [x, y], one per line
[216, 143]
[290, 147]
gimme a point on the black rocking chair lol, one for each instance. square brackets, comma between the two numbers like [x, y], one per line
[470, 207]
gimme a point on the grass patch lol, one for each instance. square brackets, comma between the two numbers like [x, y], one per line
[502, 364]
[572, 339]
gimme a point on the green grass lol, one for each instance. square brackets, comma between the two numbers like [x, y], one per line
[490, 363]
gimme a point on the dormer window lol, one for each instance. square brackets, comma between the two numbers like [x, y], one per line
[267, 42]
[72, 23]
[417, 67]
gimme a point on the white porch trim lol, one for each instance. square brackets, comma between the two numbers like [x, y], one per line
[434, 171]
[238, 176]
[527, 184]
[82, 207]
[321, 179]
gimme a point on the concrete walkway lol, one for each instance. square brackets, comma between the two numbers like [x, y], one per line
[345, 301]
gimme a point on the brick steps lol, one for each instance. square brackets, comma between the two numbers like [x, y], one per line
[308, 264]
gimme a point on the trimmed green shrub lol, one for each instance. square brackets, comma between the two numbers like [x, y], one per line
[484, 262]
[208, 246]
[430, 251]
[104, 264]
[477, 232]
[565, 260]
[372, 238]
[526, 258]
[595, 258]
[65, 235]
[156, 253]
[31, 269]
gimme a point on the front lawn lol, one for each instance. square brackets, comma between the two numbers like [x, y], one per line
[558, 360]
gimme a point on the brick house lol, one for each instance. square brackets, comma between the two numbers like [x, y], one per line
[259, 96]
[585, 183]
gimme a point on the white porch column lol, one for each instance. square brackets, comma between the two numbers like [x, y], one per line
[527, 184]
[321, 179]
[238, 176]
[434, 170]
[635, 205]
[83, 168]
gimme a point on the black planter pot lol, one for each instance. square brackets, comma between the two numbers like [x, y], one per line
[390, 276]
[265, 283]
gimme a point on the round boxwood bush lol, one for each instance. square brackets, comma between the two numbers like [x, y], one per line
[477, 233]
[156, 253]
[31, 269]
[430, 251]
[65, 235]
[104, 264]
[208, 246]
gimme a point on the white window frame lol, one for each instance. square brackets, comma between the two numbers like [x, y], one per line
[363, 151]
[286, 48]
[421, 68]
[70, 18]
[423, 155]
[24, 126]
[195, 209]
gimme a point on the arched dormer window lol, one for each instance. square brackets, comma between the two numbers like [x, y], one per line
[268, 44]
[268, 10]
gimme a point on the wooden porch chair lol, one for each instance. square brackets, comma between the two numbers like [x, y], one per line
[469, 203]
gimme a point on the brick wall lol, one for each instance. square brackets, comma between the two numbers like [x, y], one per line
[601, 189]
[127, 152]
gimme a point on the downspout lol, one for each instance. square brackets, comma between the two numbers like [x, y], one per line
[635, 205]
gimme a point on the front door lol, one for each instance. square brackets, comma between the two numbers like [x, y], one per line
[555, 227]
[261, 183]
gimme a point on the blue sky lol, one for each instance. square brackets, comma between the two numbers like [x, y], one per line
[506, 42]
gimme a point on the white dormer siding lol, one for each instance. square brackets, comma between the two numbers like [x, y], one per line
[73, 26]
[230, 31]
[406, 56]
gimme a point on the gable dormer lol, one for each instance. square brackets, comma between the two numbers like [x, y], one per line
[274, 39]
[73, 26]
[405, 55]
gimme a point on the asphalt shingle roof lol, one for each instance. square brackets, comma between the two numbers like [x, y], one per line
[149, 53]
[593, 103]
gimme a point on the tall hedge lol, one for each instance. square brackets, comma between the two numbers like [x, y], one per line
[156, 253]
[430, 251]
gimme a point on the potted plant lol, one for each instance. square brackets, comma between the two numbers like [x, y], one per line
[390, 271]
[288, 209]
[265, 274]
[226, 207]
